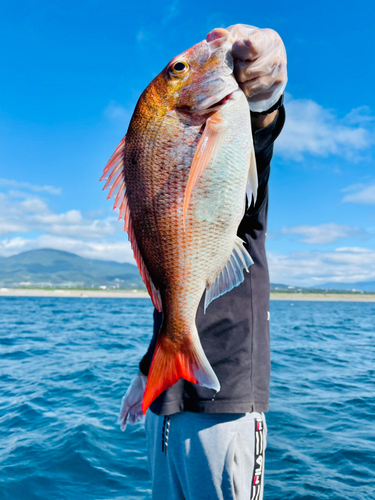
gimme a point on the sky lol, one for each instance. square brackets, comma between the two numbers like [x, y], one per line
[71, 74]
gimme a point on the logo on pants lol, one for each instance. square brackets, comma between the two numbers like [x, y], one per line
[256, 487]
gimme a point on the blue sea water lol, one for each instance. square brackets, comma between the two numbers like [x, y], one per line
[65, 363]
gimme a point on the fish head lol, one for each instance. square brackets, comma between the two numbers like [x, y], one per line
[198, 80]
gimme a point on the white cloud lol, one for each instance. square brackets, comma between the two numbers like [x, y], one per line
[360, 193]
[33, 205]
[90, 235]
[31, 187]
[344, 265]
[116, 111]
[70, 217]
[33, 214]
[119, 251]
[324, 233]
[312, 129]
[142, 36]
[360, 116]
[171, 11]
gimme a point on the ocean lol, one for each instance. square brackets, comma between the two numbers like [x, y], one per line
[65, 364]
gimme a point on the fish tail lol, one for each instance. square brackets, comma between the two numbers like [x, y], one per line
[170, 365]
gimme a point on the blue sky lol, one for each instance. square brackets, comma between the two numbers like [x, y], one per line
[72, 72]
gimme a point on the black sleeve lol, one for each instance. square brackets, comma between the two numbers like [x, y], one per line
[264, 139]
[263, 145]
[144, 365]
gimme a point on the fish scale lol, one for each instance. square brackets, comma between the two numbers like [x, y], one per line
[187, 159]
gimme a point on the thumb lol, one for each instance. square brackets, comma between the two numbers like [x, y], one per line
[124, 412]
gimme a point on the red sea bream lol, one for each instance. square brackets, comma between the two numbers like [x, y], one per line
[180, 178]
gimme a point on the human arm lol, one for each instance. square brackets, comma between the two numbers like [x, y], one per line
[262, 121]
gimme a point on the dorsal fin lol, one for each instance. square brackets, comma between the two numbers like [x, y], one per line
[231, 275]
[115, 176]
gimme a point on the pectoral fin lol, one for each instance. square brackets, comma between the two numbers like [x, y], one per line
[252, 179]
[207, 150]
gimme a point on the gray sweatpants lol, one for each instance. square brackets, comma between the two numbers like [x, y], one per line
[202, 456]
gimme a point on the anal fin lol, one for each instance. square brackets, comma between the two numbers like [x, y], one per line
[231, 275]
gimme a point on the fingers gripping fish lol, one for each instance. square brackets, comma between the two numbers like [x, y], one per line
[179, 179]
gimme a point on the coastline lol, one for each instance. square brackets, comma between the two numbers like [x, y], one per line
[324, 297]
[99, 294]
[139, 294]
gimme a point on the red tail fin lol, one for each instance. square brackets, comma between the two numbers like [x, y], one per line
[168, 367]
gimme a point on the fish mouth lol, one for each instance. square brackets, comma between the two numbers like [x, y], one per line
[215, 102]
[220, 103]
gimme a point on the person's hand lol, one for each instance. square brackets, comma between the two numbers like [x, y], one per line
[259, 65]
[131, 403]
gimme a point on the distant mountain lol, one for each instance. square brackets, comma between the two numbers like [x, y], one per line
[368, 286]
[54, 268]
[364, 286]
[277, 287]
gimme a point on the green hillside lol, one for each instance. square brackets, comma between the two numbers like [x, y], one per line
[54, 268]
[57, 269]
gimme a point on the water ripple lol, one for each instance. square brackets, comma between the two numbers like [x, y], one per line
[65, 364]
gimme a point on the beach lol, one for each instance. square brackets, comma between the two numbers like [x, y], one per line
[100, 294]
[325, 297]
[140, 294]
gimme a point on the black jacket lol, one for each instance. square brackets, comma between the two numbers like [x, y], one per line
[234, 332]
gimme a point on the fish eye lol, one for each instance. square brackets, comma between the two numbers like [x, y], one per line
[179, 68]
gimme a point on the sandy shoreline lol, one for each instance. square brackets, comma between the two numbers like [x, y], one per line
[123, 294]
[324, 297]
[100, 294]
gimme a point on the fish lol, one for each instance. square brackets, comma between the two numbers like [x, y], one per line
[180, 178]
